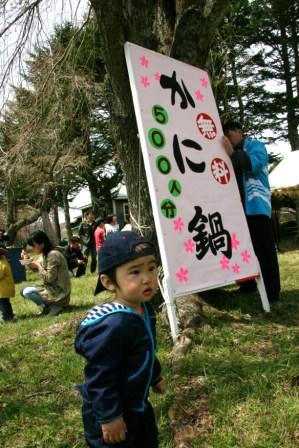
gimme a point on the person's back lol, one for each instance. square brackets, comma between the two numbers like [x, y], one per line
[118, 341]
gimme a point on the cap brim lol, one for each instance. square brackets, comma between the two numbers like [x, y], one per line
[99, 287]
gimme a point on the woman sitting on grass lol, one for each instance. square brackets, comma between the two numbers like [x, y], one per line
[54, 293]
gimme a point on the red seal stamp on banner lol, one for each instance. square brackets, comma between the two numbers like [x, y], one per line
[206, 126]
[220, 171]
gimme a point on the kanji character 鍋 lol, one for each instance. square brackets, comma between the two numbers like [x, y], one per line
[215, 238]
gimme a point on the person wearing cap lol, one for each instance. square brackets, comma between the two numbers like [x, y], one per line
[118, 341]
[7, 287]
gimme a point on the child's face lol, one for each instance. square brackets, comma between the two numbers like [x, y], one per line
[137, 281]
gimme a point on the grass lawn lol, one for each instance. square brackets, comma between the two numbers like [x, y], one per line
[242, 372]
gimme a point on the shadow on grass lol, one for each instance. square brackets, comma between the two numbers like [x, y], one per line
[285, 312]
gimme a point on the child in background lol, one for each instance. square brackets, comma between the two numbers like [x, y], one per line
[118, 341]
[7, 287]
[99, 233]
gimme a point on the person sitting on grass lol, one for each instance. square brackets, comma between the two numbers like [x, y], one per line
[118, 341]
[7, 287]
[54, 293]
[75, 259]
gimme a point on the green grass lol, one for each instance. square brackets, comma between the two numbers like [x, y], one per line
[247, 361]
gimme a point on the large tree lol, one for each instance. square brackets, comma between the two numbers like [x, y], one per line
[181, 29]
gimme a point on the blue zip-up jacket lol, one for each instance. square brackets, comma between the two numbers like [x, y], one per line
[256, 182]
[119, 347]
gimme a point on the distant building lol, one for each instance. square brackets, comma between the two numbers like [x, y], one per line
[82, 202]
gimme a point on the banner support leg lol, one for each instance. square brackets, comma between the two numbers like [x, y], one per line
[170, 308]
[263, 293]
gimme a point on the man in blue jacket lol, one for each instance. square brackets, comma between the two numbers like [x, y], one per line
[117, 339]
[250, 162]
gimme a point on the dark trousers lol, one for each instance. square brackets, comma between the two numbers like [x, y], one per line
[80, 270]
[141, 426]
[91, 250]
[6, 312]
[261, 233]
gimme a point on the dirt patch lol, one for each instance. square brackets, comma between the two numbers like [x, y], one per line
[189, 414]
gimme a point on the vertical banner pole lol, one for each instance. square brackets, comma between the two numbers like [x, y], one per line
[170, 308]
[263, 293]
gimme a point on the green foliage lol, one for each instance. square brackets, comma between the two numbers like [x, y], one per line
[256, 45]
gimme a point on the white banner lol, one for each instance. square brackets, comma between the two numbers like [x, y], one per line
[201, 227]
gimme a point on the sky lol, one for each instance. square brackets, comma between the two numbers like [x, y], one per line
[49, 14]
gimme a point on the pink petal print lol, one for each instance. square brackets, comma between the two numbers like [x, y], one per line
[246, 256]
[199, 95]
[182, 275]
[224, 263]
[204, 82]
[144, 61]
[144, 80]
[236, 268]
[189, 246]
[178, 225]
[235, 241]
[157, 76]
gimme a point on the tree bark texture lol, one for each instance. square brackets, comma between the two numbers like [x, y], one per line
[182, 29]
[56, 222]
[292, 117]
[48, 228]
[66, 208]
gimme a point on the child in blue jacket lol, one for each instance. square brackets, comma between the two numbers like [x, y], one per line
[118, 341]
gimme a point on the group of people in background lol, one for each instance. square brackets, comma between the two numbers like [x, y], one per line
[92, 233]
[55, 265]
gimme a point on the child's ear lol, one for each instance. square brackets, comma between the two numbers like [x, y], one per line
[107, 283]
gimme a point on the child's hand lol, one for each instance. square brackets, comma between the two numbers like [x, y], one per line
[115, 431]
[160, 388]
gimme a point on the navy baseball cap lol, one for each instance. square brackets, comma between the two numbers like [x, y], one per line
[120, 248]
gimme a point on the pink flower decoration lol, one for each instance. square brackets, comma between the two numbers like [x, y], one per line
[144, 80]
[199, 95]
[224, 263]
[204, 82]
[178, 224]
[157, 76]
[144, 61]
[182, 275]
[189, 246]
[235, 241]
[246, 256]
[236, 268]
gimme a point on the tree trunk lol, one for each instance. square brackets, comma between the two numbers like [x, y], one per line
[13, 229]
[66, 208]
[56, 223]
[155, 25]
[290, 101]
[238, 91]
[10, 206]
[48, 228]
